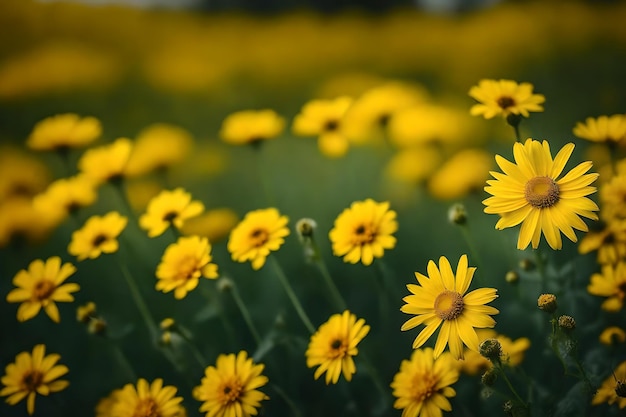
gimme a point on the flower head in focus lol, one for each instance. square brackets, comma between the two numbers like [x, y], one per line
[504, 97]
[169, 208]
[97, 236]
[147, 400]
[607, 391]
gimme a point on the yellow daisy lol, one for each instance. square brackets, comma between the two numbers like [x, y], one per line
[147, 400]
[612, 335]
[512, 352]
[609, 242]
[64, 131]
[413, 165]
[529, 192]
[20, 220]
[334, 345]
[21, 175]
[610, 129]
[440, 299]
[214, 224]
[464, 172]
[230, 388]
[259, 233]
[610, 283]
[251, 126]
[169, 208]
[504, 97]
[41, 286]
[107, 162]
[183, 263]
[606, 393]
[423, 384]
[363, 231]
[66, 195]
[31, 374]
[324, 118]
[613, 198]
[158, 147]
[97, 236]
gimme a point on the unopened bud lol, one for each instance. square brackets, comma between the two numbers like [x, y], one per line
[511, 277]
[305, 228]
[547, 303]
[86, 312]
[490, 349]
[457, 214]
[489, 377]
[224, 284]
[97, 326]
[567, 322]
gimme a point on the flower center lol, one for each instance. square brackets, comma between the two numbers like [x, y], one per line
[505, 102]
[231, 392]
[448, 305]
[147, 407]
[98, 240]
[188, 268]
[331, 126]
[169, 217]
[423, 387]
[259, 237]
[32, 379]
[364, 234]
[541, 192]
[43, 289]
[338, 349]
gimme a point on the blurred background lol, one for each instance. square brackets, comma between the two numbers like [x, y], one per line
[191, 63]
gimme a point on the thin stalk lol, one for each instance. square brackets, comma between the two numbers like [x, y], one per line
[194, 350]
[373, 373]
[340, 303]
[245, 313]
[123, 361]
[472, 249]
[228, 327]
[141, 304]
[508, 383]
[292, 405]
[292, 296]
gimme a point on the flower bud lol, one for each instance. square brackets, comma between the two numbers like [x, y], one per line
[490, 349]
[567, 322]
[511, 277]
[547, 303]
[457, 214]
[305, 228]
[489, 377]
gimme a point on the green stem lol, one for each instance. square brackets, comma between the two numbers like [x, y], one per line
[258, 147]
[141, 304]
[245, 313]
[340, 303]
[472, 249]
[541, 267]
[123, 361]
[292, 296]
[508, 383]
[294, 409]
[194, 350]
[228, 327]
[373, 373]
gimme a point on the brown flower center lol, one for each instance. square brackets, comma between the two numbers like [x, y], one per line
[231, 392]
[169, 217]
[259, 237]
[331, 126]
[505, 102]
[364, 234]
[338, 348]
[43, 289]
[147, 407]
[449, 305]
[423, 387]
[31, 380]
[188, 268]
[98, 240]
[541, 192]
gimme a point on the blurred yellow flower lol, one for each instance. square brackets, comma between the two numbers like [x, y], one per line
[610, 129]
[230, 388]
[612, 335]
[251, 126]
[98, 235]
[423, 384]
[259, 233]
[333, 346]
[64, 131]
[66, 195]
[41, 286]
[363, 231]
[31, 374]
[413, 165]
[147, 400]
[106, 162]
[158, 147]
[607, 391]
[504, 97]
[20, 219]
[324, 119]
[613, 198]
[610, 283]
[465, 172]
[21, 175]
[183, 263]
[529, 192]
[512, 352]
[440, 299]
[610, 242]
[214, 224]
[169, 208]
[105, 405]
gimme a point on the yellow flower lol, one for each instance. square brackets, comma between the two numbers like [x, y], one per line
[183, 263]
[440, 299]
[333, 346]
[423, 384]
[158, 147]
[504, 97]
[259, 233]
[41, 286]
[21, 175]
[19, 218]
[65, 196]
[105, 405]
[513, 352]
[363, 231]
[169, 208]
[464, 172]
[107, 162]
[214, 224]
[324, 118]
[33, 374]
[610, 283]
[529, 192]
[610, 242]
[414, 165]
[64, 131]
[612, 335]
[147, 400]
[611, 129]
[613, 198]
[97, 236]
[606, 393]
[369, 115]
[251, 126]
[230, 388]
